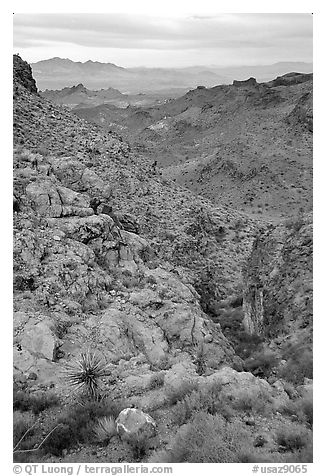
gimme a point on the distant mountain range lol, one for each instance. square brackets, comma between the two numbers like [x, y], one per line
[57, 73]
[80, 97]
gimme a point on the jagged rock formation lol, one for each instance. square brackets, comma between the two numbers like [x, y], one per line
[246, 82]
[23, 74]
[80, 96]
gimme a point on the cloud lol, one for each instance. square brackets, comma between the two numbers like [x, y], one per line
[138, 32]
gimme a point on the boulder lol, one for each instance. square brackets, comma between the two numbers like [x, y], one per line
[133, 424]
[39, 340]
[245, 385]
[234, 381]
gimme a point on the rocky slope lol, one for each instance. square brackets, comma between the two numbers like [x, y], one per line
[247, 146]
[74, 255]
[109, 255]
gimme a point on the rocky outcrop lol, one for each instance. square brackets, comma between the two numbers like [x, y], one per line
[23, 75]
[232, 383]
[247, 82]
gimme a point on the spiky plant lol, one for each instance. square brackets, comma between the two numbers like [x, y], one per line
[105, 429]
[86, 373]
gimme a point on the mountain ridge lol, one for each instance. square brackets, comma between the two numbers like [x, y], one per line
[58, 73]
[247, 145]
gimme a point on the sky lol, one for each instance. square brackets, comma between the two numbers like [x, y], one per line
[169, 40]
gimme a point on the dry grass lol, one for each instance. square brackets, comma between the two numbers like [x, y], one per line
[105, 429]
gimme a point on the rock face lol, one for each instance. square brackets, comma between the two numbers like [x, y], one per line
[23, 74]
[133, 424]
[278, 276]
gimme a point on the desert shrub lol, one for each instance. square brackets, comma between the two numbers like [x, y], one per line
[43, 150]
[22, 453]
[294, 223]
[200, 360]
[261, 363]
[91, 410]
[230, 319]
[246, 344]
[150, 279]
[78, 422]
[175, 394]
[254, 457]
[147, 254]
[238, 224]
[157, 380]
[292, 436]
[60, 328]
[36, 403]
[299, 365]
[21, 423]
[304, 455]
[139, 446]
[207, 400]
[291, 409]
[163, 364]
[160, 456]
[130, 282]
[258, 401]
[60, 439]
[86, 373]
[182, 412]
[301, 409]
[24, 283]
[237, 301]
[306, 404]
[210, 439]
[104, 429]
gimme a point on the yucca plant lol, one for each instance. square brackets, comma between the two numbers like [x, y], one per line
[105, 429]
[86, 373]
